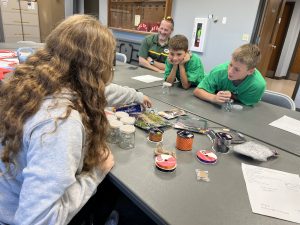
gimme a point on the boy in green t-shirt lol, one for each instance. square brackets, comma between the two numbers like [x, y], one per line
[237, 80]
[182, 64]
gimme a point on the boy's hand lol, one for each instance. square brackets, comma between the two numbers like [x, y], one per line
[186, 58]
[222, 96]
[147, 102]
[170, 61]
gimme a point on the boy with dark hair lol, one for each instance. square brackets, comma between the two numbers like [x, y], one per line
[237, 80]
[182, 64]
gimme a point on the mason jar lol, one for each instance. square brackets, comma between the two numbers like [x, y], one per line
[113, 135]
[127, 137]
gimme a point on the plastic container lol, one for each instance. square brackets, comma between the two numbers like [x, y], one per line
[114, 133]
[127, 137]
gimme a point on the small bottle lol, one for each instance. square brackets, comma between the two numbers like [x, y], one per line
[113, 136]
[166, 88]
[127, 137]
[227, 106]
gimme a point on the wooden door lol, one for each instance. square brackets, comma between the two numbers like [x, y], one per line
[280, 38]
[268, 31]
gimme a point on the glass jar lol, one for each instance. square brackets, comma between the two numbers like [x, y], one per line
[128, 120]
[227, 106]
[113, 135]
[166, 88]
[121, 115]
[127, 137]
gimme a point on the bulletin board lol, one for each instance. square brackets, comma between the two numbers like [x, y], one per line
[198, 36]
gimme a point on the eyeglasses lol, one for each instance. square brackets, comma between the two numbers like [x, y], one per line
[169, 19]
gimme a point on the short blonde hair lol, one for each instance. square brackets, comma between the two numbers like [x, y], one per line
[247, 54]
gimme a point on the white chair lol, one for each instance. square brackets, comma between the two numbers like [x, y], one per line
[121, 57]
[278, 99]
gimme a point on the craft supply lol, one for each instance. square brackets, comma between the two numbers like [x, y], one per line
[148, 120]
[184, 140]
[222, 142]
[206, 156]
[172, 113]
[227, 106]
[160, 150]
[255, 150]
[155, 135]
[114, 133]
[192, 124]
[127, 137]
[165, 162]
[237, 137]
[202, 175]
[120, 115]
[133, 108]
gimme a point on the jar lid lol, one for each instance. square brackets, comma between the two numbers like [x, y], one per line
[120, 115]
[167, 84]
[111, 117]
[128, 120]
[185, 134]
[155, 130]
[115, 123]
[127, 129]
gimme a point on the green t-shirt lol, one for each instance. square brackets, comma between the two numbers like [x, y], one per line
[151, 48]
[193, 68]
[248, 92]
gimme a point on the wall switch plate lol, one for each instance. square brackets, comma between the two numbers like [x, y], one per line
[245, 37]
[224, 20]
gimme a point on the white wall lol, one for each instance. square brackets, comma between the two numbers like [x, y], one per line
[221, 39]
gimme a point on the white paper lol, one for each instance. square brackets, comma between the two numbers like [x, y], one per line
[288, 124]
[137, 20]
[273, 193]
[147, 78]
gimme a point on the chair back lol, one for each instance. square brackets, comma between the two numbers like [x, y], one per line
[278, 99]
[121, 57]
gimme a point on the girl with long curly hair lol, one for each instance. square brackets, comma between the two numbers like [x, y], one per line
[53, 126]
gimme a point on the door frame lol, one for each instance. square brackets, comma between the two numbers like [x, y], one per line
[258, 19]
[292, 60]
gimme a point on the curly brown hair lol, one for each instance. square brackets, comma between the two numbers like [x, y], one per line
[78, 55]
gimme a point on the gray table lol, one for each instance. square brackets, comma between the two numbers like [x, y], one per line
[252, 121]
[124, 72]
[177, 198]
